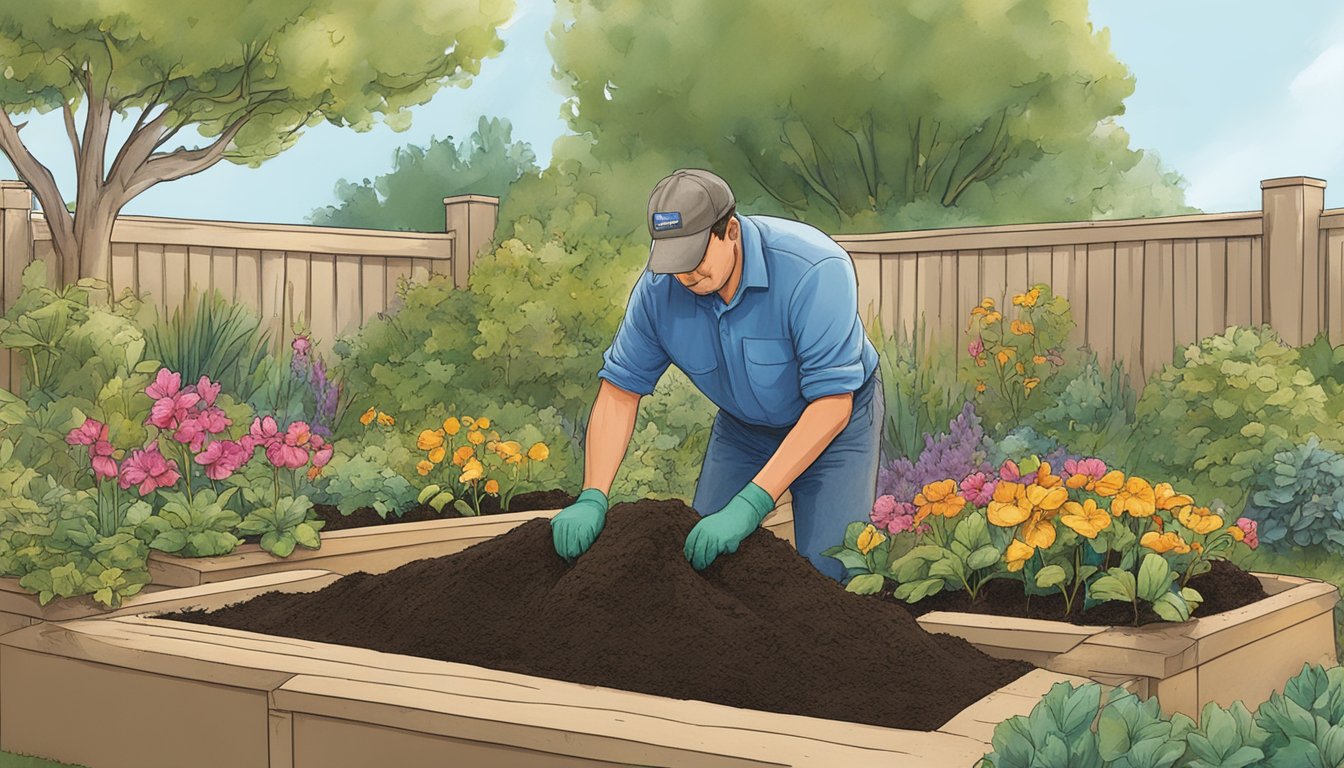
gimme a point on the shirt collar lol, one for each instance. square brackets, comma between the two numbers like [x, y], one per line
[754, 273]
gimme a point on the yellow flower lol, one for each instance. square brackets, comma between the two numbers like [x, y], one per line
[1022, 328]
[1027, 299]
[436, 455]
[475, 438]
[1136, 498]
[516, 458]
[1009, 506]
[461, 455]
[1030, 383]
[538, 452]
[1109, 484]
[1199, 519]
[468, 422]
[1038, 359]
[1020, 368]
[1163, 543]
[471, 472]
[939, 498]
[483, 423]
[1047, 499]
[1004, 356]
[993, 317]
[451, 425]
[385, 420]
[429, 440]
[1046, 480]
[1237, 533]
[1018, 554]
[1085, 519]
[979, 386]
[508, 448]
[423, 467]
[492, 486]
[869, 539]
[1038, 530]
[1167, 498]
[368, 416]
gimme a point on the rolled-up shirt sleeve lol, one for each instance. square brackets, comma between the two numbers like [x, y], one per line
[636, 360]
[828, 337]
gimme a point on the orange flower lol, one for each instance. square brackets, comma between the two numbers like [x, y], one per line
[451, 425]
[1046, 480]
[1237, 533]
[461, 455]
[1022, 328]
[538, 452]
[1009, 505]
[313, 472]
[980, 386]
[368, 416]
[1085, 519]
[429, 440]
[1168, 499]
[1163, 543]
[475, 438]
[1038, 359]
[1018, 554]
[939, 498]
[1136, 499]
[1038, 530]
[472, 472]
[423, 467]
[1199, 519]
[483, 423]
[492, 486]
[1030, 383]
[385, 420]
[436, 455]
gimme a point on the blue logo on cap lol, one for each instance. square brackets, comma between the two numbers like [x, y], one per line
[666, 220]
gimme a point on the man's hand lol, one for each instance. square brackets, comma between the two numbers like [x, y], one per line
[575, 529]
[724, 530]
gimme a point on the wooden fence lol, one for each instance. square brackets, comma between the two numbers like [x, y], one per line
[1139, 288]
[334, 278]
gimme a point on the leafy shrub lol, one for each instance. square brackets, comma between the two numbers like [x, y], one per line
[368, 476]
[921, 387]
[1226, 407]
[1298, 499]
[669, 443]
[1091, 727]
[1092, 412]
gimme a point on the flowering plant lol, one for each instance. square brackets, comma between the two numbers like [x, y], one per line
[481, 445]
[1091, 531]
[1008, 361]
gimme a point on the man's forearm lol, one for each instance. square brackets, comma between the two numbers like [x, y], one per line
[822, 420]
[610, 426]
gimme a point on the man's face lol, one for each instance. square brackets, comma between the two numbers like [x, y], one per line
[714, 270]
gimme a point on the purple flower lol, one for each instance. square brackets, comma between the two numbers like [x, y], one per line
[953, 455]
[301, 345]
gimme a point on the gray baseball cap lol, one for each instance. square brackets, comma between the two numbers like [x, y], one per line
[682, 209]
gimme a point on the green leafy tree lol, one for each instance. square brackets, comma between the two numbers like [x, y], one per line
[409, 197]
[248, 77]
[875, 114]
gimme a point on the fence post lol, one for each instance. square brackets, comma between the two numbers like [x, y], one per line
[471, 218]
[16, 253]
[1291, 260]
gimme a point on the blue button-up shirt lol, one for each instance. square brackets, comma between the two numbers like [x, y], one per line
[790, 335]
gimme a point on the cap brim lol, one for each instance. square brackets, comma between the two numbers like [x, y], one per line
[671, 255]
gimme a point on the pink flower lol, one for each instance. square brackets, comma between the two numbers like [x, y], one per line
[169, 412]
[298, 434]
[166, 384]
[978, 488]
[893, 516]
[191, 432]
[1093, 468]
[976, 347]
[322, 456]
[222, 458]
[87, 433]
[1251, 530]
[149, 469]
[208, 390]
[264, 431]
[883, 508]
[100, 453]
[214, 420]
[1009, 471]
[286, 456]
[301, 345]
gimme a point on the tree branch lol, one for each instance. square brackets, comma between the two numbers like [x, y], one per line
[58, 218]
[993, 157]
[70, 129]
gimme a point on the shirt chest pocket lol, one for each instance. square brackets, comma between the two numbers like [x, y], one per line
[772, 371]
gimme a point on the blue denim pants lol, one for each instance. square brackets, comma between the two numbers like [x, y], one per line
[837, 489]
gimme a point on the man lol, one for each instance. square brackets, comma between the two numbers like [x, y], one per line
[761, 314]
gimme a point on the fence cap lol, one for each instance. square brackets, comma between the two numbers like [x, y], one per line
[1293, 181]
[471, 199]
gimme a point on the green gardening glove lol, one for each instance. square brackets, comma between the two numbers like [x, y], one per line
[724, 530]
[575, 529]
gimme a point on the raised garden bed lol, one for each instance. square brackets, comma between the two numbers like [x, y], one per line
[1242, 653]
[296, 703]
[377, 548]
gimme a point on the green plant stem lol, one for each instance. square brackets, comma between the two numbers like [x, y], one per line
[186, 470]
[275, 475]
[37, 374]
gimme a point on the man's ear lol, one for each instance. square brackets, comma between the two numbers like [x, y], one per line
[734, 230]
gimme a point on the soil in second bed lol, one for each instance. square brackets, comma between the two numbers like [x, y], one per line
[1223, 588]
[759, 629]
[366, 516]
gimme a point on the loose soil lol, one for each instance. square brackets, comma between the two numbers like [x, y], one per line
[759, 629]
[1223, 588]
[366, 516]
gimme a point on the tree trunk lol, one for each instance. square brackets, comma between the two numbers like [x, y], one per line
[93, 243]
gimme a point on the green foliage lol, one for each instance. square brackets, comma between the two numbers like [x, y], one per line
[1297, 500]
[368, 478]
[920, 384]
[212, 336]
[1017, 443]
[1087, 726]
[867, 555]
[1004, 122]
[284, 525]
[668, 445]
[1093, 412]
[966, 559]
[1225, 408]
[410, 196]
[202, 526]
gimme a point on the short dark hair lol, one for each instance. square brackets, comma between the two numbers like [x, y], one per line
[720, 228]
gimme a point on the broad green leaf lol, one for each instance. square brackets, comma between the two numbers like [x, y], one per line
[1154, 577]
[1115, 585]
[426, 493]
[440, 501]
[305, 535]
[983, 557]
[866, 584]
[851, 559]
[915, 591]
[1050, 576]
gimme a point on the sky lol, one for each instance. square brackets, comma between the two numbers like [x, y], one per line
[1228, 93]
